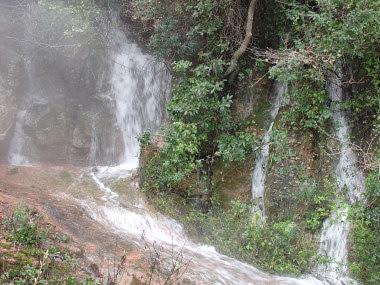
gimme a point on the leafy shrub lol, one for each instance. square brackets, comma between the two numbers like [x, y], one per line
[24, 227]
[181, 28]
[278, 247]
[309, 110]
[176, 160]
[364, 254]
[201, 123]
[236, 147]
[317, 200]
[145, 139]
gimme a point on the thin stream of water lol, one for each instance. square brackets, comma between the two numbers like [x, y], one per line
[260, 169]
[334, 235]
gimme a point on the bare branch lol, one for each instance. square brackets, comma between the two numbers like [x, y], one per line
[247, 39]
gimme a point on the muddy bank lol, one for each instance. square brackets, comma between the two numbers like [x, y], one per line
[44, 188]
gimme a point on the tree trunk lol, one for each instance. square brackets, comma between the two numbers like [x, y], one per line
[246, 41]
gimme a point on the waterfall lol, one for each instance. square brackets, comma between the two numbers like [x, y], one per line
[94, 145]
[335, 230]
[259, 172]
[17, 154]
[140, 87]
[73, 106]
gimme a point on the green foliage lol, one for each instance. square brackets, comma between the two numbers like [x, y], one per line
[73, 281]
[364, 107]
[196, 100]
[145, 139]
[201, 124]
[317, 200]
[176, 160]
[182, 144]
[30, 262]
[183, 28]
[24, 227]
[329, 30]
[324, 33]
[364, 255]
[281, 148]
[236, 147]
[24, 276]
[279, 248]
[222, 228]
[310, 109]
[191, 36]
[306, 200]
[167, 39]
[47, 273]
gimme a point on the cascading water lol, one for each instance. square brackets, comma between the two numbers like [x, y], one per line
[259, 172]
[17, 152]
[136, 97]
[134, 220]
[94, 146]
[15, 155]
[137, 83]
[334, 236]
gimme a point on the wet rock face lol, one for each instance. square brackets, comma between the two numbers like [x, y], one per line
[60, 96]
[59, 114]
[84, 92]
[64, 133]
[7, 114]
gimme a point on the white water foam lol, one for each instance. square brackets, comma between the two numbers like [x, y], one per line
[259, 172]
[109, 194]
[140, 88]
[335, 231]
[16, 150]
[205, 264]
[17, 154]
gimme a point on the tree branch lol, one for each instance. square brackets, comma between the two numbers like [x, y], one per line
[246, 41]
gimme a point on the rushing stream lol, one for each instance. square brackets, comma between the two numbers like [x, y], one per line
[136, 222]
[87, 106]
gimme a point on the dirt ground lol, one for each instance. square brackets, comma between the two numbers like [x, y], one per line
[43, 188]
